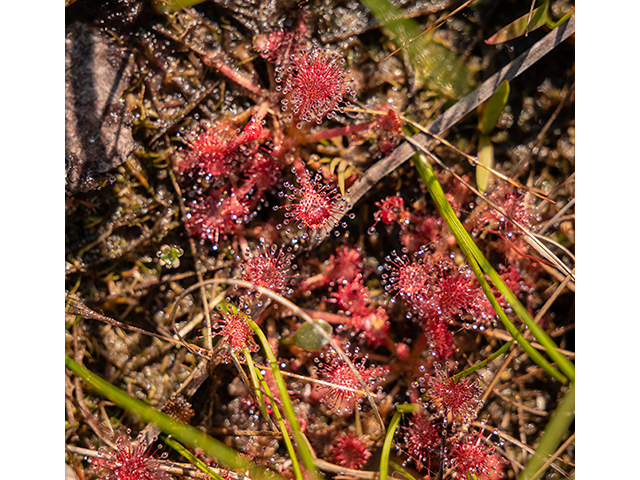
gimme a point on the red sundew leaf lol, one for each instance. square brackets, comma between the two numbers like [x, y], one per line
[335, 371]
[268, 267]
[421, 439]
[314, 205]
[351, 451]
[129, 461]
[238, 333]
[315, 85]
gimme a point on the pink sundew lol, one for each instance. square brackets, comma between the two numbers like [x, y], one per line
[315, 85]
[268, 267]
[351, 451]
[369, 322]
[277, 46]
[372, 326]
[129, 461]
[237, 333]
[262, 172]
[514, 205]
[352, 297]
[455, 293]
[345, 265]
[408, 279]
[389, 210]
[220, 153]
[457, 400]
[332, 369]
[421, 440]
[314, 205]
[472, 455]
[216, 215]
[440, 338]
[209, 152]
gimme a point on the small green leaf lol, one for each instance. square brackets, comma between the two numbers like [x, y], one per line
[539, 17]
[485, 157]
[169, 256]
[307, 336]
[494, 107]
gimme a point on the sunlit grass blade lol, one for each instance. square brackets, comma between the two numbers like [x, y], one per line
[526, 23]
[192, 458]
[287, 406]
[485, 163]
[185, 434]
[386, 446]
[478, 264]
[492, 109]
[256, 383]
[552, 436]
[260, 382]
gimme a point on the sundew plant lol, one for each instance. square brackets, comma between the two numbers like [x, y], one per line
[340, 244]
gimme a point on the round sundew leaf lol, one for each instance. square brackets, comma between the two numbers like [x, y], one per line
[309, 338]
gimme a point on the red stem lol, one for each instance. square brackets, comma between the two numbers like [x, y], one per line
[334, 132]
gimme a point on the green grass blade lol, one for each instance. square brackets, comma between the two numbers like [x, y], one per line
[258, 381]
[552, 436]
[192, 458]
[524, 24]
[256, 384]
[485, 162]
[486, 361]
[287, 406]
[494, 108]
[386, 446]
[185, 434]
[478, 264]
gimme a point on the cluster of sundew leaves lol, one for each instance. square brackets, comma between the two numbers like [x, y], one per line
[129, 461]
[455, 402]
[439, 433]
[269, 267]
[337, 374]
[315, 89]
[313, 205]
[223, 198]
[315, 85]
